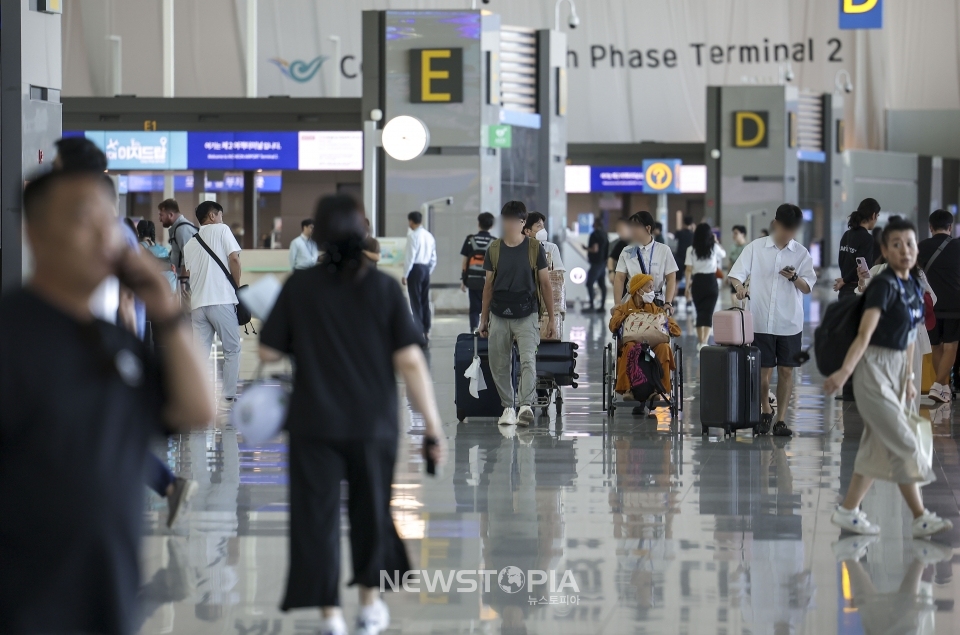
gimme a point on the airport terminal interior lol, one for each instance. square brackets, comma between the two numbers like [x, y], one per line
[647, 126]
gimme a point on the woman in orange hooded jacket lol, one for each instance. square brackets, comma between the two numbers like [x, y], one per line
[641, 285]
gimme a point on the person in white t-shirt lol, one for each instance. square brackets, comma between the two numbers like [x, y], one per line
[647, 256]
[704, 259]
[213, 299]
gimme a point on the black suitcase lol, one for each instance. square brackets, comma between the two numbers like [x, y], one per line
[488, 403]
[558, 360]
[729, 388]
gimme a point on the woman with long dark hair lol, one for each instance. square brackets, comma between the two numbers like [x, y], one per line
[857, 242]
[704, 259]
[349, 329]
[879, 359]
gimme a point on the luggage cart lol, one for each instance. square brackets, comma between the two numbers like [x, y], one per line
[611, 400]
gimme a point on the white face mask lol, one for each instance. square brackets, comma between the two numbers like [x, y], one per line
[541, 235]
[648, 297]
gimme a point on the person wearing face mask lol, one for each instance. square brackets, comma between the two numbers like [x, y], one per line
[642, 301]
[535, 227]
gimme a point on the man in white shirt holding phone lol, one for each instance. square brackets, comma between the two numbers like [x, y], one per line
[780, 271]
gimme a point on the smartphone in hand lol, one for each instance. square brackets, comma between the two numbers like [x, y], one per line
[862, 266]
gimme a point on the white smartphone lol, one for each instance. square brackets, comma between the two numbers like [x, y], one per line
[862, 266]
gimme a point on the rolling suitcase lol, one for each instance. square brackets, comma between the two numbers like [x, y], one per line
[730, 388]
[488, 403]
[733, 327]
[559, 361]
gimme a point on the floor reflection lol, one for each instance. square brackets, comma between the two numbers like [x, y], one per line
[658, 529]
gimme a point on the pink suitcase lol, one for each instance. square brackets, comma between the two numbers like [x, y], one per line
[733, 327]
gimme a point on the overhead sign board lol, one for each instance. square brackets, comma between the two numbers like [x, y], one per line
[616, 178]
[751, 128]
[243, 150]
[179, 150]
[330, 150]
[142, 150]
[861, 14]
[673, 177]
[436, 76]
[661, 176]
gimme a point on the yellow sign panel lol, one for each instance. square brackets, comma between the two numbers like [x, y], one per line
[658, 177]
[750, 129]
[852, 6]
[436, 76]
[428, 74]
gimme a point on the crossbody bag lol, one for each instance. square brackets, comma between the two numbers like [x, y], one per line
[243, 313]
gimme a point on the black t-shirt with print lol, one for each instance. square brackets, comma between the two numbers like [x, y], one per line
[899, 301]
[78, 405]
[342, 334]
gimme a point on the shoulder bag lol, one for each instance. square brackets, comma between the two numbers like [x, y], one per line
[929, 316]
[243, 313]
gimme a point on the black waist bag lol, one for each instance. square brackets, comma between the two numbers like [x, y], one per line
[513, 304]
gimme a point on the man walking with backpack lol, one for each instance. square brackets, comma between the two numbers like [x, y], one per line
[213, 299]
[517, 291]
[180, 231]
[474, 252]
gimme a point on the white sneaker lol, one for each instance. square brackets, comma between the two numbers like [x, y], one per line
[929, 552]
[855, 521]
[508, 418]
[226, 404]
[335, 625]
[929, 524]
[946, 394]
[936, 393]
[852, 547]
[373, 619]
[525, 417]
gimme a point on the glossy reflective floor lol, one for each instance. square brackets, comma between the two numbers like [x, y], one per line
[643, 526]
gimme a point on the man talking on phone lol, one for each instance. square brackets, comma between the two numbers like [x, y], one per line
[780, 271]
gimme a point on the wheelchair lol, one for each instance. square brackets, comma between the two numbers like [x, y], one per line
[611, 400]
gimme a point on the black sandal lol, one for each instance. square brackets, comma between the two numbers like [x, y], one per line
[766, 419]
[780, 429]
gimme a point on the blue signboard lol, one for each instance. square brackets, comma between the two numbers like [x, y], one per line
[243, 151]
[861, 14]
[266, 183]
[142, 150]
[661, 176]
[616, 178]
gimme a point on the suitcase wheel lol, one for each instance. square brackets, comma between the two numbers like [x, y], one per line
[704, 431]
[461, 415]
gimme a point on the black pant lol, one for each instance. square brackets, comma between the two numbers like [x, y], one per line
[316, 468]
[476, 307]
[597, 275]
[705, 293]
[418, 286]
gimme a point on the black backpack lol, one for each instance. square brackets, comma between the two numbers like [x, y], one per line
[474, 277]
[835, 335]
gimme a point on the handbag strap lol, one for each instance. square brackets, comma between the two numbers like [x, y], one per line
[216, 259]
[937, 253]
